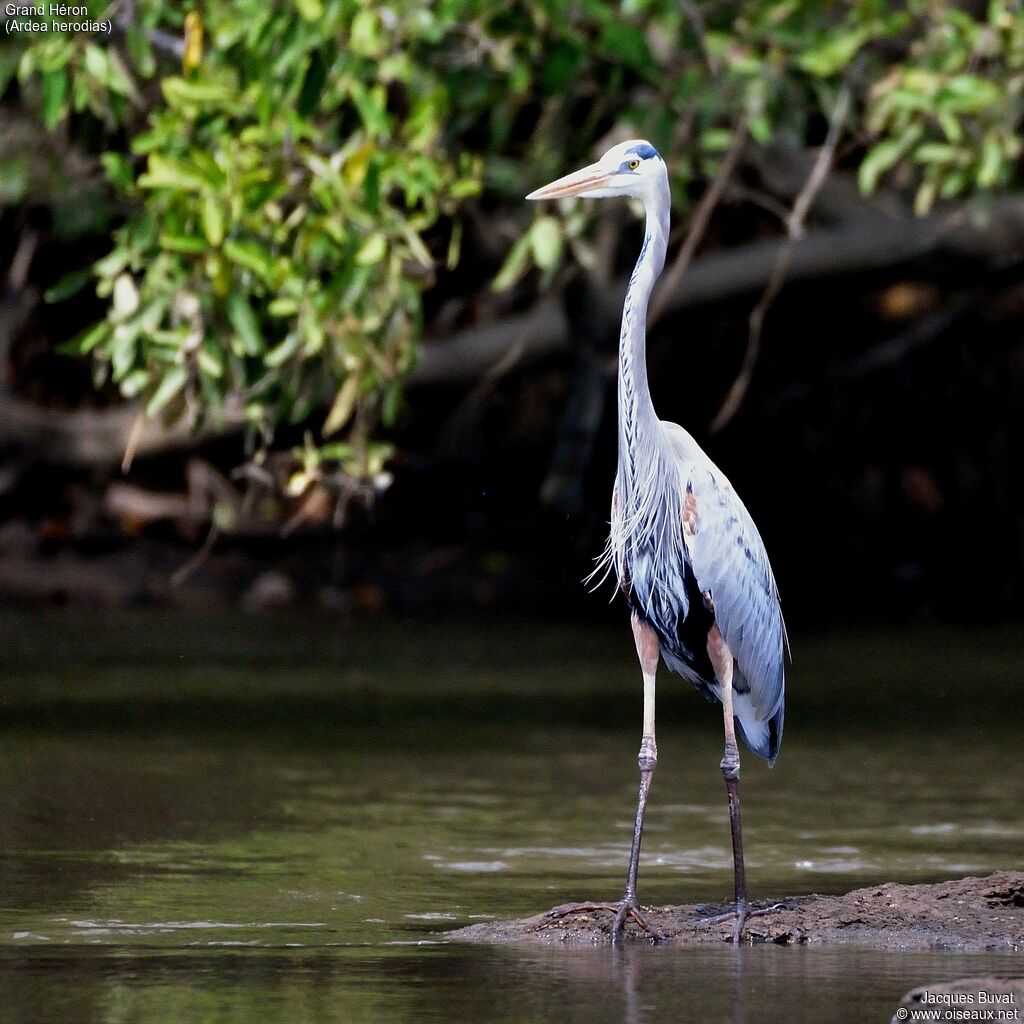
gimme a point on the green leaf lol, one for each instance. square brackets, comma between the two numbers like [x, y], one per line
[390, 405]
[372, 250]
[140, 50]
[54, 95]
[950, 125]
[514, 266]
[283, 307]
[279, 355]
[162, 172]
[210, 360]
[372, 107]
[85, 342]
[310, 10]
[70, 284]
[244, 321]
[991, 163]
[546, 242]
[882, 157]
[937, 153]
[112, 264]
[419, 250]
[135, 383]
[969, 94]
[251, 256]
[213, 219]
[180, 92]
[627, 44]
[454, 246]
[924, 199]
[834, 54]
[190, 244]
[716, 140]
[954, 183]
[365, 36]
[173, 382]
[119, 170]
[760, 128]
[96, 62]
[337, 451]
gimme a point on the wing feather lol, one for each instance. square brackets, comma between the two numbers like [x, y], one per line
[730, 562]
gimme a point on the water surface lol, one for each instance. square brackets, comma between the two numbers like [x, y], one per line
[279, 819]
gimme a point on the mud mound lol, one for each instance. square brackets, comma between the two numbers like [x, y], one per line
[966, 914]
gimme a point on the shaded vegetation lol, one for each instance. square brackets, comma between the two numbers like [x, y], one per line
[266, 221]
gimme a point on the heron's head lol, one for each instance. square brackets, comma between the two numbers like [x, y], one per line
[633, 168]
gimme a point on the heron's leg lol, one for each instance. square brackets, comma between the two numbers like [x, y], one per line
[721, 659]
[648, 652]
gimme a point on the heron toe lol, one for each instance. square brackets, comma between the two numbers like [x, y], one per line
[740, 915]
[624, 911]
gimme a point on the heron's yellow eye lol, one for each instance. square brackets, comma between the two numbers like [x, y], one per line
[634, 164]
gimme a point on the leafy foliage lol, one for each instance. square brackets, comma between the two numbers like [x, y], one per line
[275, 256]
[294, 173]
[954, 112]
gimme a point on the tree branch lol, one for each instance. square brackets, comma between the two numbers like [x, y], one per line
[855, 246]
[795, 224]
[99, 438]
[699, 222]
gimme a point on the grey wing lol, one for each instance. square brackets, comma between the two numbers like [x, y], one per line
[730, 562]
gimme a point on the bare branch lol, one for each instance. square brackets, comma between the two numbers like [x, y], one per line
[795, 225]
[696, 18]
[699, 222]
[124, 18]
[89, 437]
[854, 246]
[17, 275]
[183, 572]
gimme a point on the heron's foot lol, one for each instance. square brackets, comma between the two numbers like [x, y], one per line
[739, 915]
[624, 910]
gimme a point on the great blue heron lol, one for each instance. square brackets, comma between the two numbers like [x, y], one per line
[683, 546]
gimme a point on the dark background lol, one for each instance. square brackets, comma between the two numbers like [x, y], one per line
[878, 449]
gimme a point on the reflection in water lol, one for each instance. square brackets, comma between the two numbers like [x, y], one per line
[225, 826]
[467, 985]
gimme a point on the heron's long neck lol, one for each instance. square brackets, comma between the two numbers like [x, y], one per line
[637, 419]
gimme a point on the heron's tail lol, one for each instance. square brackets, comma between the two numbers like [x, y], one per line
[763, 737]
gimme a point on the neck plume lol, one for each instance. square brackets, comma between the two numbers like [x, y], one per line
[637, 419]
[640, 498]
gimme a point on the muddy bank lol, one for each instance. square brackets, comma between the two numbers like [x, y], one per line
[966, 914]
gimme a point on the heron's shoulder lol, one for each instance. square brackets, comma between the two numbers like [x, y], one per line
[681, 440]
[690, 453]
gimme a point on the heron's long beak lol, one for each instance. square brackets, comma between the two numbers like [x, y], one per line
[594, 176]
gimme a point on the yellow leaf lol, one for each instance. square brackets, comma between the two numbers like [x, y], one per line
[372, 250]
[343, 405]
[298, 482]
[193, 55]
[356, 166]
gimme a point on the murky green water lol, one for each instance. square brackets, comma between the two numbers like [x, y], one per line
[276, 820]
